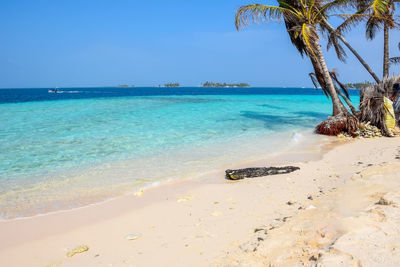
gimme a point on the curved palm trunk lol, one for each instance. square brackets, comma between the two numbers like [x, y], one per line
[385, 50]
[338, 107]
[362, 61]
[342, 120]
[321, 81]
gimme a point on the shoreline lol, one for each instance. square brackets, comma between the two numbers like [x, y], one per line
[290, 155]
[285, 153]
[207, 216]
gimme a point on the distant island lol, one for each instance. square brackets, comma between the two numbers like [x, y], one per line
[171, 85]
[125, 85]
[360, 85]
[210, 84]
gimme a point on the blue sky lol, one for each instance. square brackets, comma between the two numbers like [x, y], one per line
[106, 43]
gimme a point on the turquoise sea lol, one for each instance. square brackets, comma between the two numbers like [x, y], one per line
[85, 145]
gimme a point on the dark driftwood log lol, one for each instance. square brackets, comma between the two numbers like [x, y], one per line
[258, 172]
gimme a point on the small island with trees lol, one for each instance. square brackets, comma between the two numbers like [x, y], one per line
[359, 86]
[211, 84]
[171, 85]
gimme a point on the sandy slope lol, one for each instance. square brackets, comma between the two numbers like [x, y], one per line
[352, 222]
[331, 219]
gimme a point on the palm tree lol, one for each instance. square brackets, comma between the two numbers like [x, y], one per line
[385, 9]
[302, 19]
[377, 14]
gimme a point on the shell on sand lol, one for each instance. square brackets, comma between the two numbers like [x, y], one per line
[311, 207]
[132, 236]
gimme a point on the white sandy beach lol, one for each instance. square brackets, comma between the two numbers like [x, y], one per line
[341, 210]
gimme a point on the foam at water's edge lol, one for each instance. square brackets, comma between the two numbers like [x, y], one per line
[295, 141]
[296, 137]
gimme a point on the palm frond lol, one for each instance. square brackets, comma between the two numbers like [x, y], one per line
[381, 7]
[394, 60]
[333, 41]
[333, 5]
[313, 79]
[373, 24]
[335, 78]
[293, 30]
[318, 80]
[361, 4]
[372, 27]
[294, 26]
[310, 38]
[351, 21]
[257, 13]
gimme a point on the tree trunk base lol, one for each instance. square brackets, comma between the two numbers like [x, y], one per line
[342, 123]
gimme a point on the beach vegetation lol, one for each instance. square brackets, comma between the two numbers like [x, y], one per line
[171, 85]
[359, 85]
[211, 84]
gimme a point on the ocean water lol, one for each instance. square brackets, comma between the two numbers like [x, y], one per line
[85, 145]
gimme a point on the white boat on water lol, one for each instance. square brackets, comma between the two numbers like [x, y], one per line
[55, 90]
